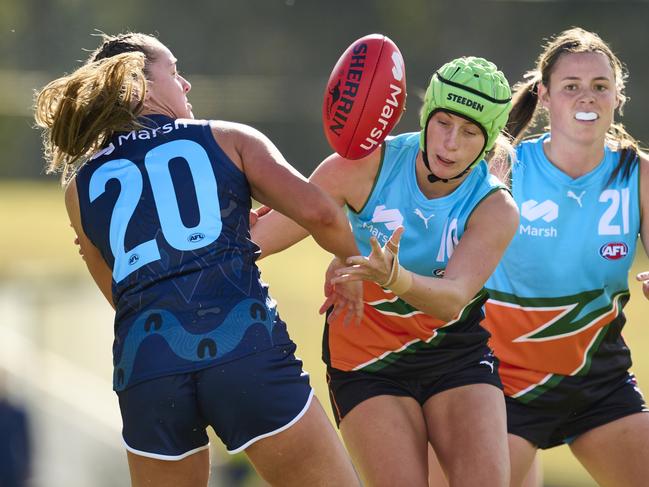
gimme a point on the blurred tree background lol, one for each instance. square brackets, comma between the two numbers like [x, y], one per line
[260, 62]
[266, 62]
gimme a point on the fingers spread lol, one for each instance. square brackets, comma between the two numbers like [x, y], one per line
[376, 248]
[354, 260]
[326, 305]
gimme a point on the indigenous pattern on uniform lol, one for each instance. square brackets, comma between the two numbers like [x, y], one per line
[394, 337]
[148, 203]
[550, 316]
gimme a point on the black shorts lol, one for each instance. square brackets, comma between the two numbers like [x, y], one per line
[548, 426]
[349, 389]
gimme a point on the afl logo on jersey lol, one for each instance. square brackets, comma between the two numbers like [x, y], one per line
[196, 237]
[614, 250]
[133, 259]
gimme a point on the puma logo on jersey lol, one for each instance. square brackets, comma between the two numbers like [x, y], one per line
[572, 195]
[392, 218]
[420, 214]
[533, 210]
[488, 364]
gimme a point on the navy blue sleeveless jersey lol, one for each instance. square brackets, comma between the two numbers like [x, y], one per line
[168, 210]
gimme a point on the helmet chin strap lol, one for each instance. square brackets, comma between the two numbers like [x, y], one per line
[432, 178]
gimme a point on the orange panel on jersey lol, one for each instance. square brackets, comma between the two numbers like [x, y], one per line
[561, 354]
[380, 332]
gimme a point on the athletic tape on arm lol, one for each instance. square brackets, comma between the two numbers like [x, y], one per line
[400, 279]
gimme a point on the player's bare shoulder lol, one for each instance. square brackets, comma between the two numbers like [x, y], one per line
[231, 136]
[349, 181]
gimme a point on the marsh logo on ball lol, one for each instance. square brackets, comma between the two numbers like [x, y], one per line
[390, 108]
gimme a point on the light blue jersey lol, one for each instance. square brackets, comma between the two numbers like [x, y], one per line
[556, 297]
[392, 330]
[433, 227]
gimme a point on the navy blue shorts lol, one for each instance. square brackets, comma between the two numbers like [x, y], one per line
[547, 425]
[348, 389]
[243, 401]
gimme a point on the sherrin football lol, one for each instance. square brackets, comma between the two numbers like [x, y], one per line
[365, 96]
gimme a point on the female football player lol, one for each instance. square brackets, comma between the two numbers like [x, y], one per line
[557, 297]
[431, 224]
[160, 204]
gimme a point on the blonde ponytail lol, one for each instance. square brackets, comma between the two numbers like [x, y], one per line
[80, 112]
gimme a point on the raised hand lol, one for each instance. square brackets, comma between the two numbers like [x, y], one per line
[377, 267]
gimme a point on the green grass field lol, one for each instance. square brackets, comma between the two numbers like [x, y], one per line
[37, 242]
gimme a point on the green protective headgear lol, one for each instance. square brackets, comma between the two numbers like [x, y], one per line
[472, 88]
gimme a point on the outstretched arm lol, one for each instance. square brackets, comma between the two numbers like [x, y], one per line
[346, 182]
[489, 231]
[275, 183]
[274, 232]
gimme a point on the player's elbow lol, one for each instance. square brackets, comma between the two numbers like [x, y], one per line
[454, 303]
[329, 217]
[321, 216]
[449, 311]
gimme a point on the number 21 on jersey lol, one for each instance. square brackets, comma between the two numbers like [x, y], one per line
[617, 198]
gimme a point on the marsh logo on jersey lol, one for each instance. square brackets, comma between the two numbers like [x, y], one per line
[614, 250]
[391, 218]
[532, 210]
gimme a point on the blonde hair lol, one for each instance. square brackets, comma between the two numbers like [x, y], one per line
[501, 158]
[81, 111]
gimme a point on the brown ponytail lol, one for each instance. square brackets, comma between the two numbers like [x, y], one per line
[618, 138]
[524, 103]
